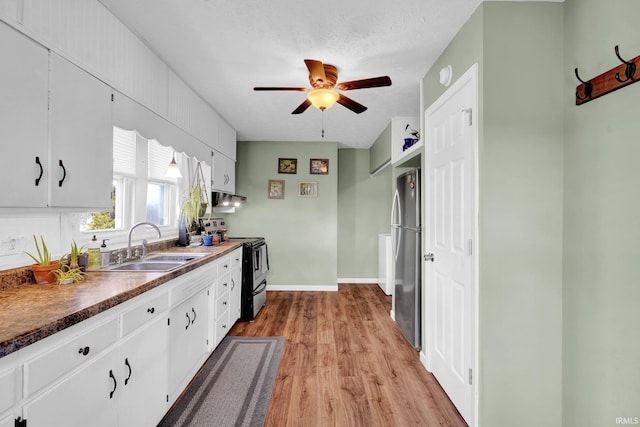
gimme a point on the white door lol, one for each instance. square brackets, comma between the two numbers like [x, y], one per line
[451, 237]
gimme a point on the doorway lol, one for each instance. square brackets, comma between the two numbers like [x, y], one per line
[451, 242]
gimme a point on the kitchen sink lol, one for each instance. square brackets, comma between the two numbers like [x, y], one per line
[147, 266]
[156, 262]
[174, 257]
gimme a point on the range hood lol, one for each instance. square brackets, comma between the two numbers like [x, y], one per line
[226, 200]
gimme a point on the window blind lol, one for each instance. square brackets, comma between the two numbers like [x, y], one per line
[124, 152]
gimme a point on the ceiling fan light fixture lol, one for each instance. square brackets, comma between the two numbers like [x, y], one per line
[322, 99]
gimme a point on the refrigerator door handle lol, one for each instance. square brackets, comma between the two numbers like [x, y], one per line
[396, 207]
[395, 226]
[397, 232]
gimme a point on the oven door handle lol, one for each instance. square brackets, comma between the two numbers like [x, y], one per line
[261, 287]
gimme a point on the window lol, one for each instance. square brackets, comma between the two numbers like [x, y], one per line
[141, 191]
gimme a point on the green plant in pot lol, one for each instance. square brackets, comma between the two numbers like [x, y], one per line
[77, 258]
[67, 274]
[196, 202]
[44, 266]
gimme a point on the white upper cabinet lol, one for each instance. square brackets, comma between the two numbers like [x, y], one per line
[23, 120]
[224, 173]
[226, 140]
[81, 137]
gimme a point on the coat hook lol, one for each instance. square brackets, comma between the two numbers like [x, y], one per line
[629, 72]
[588, 88]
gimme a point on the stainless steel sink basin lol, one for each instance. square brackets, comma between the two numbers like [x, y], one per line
[147, 266]
[174, 257]
[157, 262]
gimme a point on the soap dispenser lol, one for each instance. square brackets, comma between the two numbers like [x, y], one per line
[95, 261]
[105, 253]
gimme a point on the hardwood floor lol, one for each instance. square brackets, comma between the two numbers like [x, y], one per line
[345, 363]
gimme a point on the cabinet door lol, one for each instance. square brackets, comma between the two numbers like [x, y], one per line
[224, 173]
[226, 139]
[81, 138]
[143, 369]
[188, 331]
[23, 120]
[234, 296]
[88, 397]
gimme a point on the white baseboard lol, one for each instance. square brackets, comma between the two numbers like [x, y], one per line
[393, 315]
[370, 281]
[322, 288]
[424, 360]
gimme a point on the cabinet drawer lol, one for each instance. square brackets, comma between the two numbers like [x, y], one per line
[236, 258]
[222, 326]
[8, 378]
[192, 282]
[222, 304]
[224, 265]
[50, 366]
[223, 285]
[144, 312]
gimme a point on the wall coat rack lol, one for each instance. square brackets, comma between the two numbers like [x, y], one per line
[614, 79]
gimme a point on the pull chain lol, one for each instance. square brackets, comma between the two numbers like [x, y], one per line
[323, 123]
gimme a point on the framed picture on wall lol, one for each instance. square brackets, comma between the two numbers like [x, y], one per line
[276, 189]
[319, 166]
[287, 165]
[308, 189]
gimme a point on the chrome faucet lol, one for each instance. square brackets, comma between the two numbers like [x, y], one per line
[133, 227]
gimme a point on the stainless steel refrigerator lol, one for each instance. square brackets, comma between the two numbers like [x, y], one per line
[405, 229]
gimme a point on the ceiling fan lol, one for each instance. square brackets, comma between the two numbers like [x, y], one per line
[323, 95]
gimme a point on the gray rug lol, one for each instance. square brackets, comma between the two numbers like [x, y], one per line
[234, 386]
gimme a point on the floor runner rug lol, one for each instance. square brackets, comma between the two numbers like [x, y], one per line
[234, 386]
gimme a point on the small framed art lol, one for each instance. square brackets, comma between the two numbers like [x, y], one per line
[287, 165]
[319, 166]
[308, 189]
[276, 189]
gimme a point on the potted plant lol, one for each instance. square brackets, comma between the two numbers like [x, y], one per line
[196, 202]
[43, 267]
[67, 274]
[77, 258]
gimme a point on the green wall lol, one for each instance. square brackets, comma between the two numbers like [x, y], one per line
[301, 232]
[380, 151]
[519, 50]
[601, 351]
[364, 211]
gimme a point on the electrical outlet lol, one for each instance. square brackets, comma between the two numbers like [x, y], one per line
[11, 245]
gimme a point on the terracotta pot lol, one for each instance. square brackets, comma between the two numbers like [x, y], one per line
[43, 273]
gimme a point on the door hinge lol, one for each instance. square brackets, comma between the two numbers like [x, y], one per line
[112, 98]
[167, 398]
[19, 422]
[469, 113]
[470, 376]
[168, 321]
[470, 247]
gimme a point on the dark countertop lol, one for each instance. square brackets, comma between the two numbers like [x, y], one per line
[31, 312]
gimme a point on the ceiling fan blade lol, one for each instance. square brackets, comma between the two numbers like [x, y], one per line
[302, 107]
[351, 104]
[365, 83]
[298, 89]
[317, 76]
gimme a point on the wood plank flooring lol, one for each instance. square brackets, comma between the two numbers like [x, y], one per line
[345, 363]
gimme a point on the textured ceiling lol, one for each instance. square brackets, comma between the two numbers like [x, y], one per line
[223, 48]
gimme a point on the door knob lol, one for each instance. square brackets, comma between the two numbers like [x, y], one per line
[429, 257]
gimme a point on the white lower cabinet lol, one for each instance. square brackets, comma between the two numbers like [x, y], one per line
[187, 341]
[86, 397]
[143, 366]
[128, 365]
